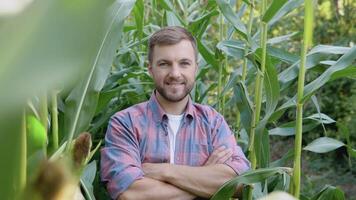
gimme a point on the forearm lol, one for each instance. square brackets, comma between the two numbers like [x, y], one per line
[202, 181]
[148, 188]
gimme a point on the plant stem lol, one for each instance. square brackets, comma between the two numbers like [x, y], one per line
[43, 111]
[219, 100]
[307, 37]
[23, 159]
[258, 92]
[54, 116]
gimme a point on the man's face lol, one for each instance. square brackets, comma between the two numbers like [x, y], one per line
[173, 70]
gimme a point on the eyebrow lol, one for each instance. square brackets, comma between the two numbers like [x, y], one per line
[186, 59]
[164, 60]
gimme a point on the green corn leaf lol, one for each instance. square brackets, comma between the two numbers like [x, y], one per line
[172, 19]
[167, 5]
[349, 72]
[275, 6]
[199, 25]
[231, 82]
[353, 153]
[282, 131]
[87, 179]
[321, 118]
[271, 86]
[329, 193]
[81, 102]
[206, 53]
[282, 55]
[316, 55]
[282, 161]
[229, 14]
[12, 155]
[244, 104]
[323, 145]
[280, 39]
[232, 48]
[47, 46]
[284, 10]
[247, 2]
[138, 12]
[345, 61]
[249, 177]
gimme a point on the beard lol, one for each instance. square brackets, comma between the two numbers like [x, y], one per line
[173, 94]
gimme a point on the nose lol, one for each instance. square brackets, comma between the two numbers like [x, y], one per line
[175, 71]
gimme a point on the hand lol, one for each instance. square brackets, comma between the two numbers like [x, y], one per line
[155, 170]
[219, 156]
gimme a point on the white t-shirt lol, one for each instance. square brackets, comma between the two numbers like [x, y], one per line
[174, 122]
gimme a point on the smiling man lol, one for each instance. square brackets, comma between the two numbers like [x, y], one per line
[169, 147]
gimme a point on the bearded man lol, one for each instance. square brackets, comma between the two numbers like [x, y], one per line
[170, 147]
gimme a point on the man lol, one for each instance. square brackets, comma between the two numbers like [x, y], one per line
[169, 147]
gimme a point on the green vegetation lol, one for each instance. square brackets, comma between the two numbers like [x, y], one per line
[66, 67]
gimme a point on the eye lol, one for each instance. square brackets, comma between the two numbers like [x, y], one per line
[185, 63]
[162, 64]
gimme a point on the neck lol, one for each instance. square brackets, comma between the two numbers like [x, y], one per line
[173, 108]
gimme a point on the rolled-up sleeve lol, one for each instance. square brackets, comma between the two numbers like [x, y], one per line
[120, 158]
[224, 137]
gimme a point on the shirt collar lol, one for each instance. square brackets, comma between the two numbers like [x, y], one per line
[159, 114]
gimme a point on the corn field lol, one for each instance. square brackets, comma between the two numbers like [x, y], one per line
[67, 66]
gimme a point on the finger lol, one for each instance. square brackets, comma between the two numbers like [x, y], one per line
[223, 153]
[218, 150]
[225, 157]
[214, 158]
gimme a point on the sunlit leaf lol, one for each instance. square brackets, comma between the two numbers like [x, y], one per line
[321, 118]
[249, 177]
[232, 48]
[244, 104]
[86, 180]
[287, 8]
[329, 193]
[229, 14]
[280, 39]
[323, 145]
[273, 9]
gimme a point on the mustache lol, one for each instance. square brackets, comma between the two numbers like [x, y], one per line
[175, 80]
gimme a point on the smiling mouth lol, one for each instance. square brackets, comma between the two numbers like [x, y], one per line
[174, 83]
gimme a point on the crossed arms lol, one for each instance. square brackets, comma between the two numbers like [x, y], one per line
[128, 177]
[168, 181]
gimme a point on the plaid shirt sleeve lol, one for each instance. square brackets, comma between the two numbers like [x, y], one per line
[223, 136]
[120, 158]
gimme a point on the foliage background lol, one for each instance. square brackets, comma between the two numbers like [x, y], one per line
[49, 71]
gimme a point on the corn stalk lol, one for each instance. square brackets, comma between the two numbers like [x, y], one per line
[54, 117]
[244, 66]
[307, 38]
[23, 159]
[258, 92]
[221, 66]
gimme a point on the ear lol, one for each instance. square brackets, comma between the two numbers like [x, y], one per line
[196, 68]
[149, 67]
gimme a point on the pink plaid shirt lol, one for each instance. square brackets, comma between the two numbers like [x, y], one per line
[139, 134]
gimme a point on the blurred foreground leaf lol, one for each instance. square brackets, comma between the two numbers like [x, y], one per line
[81, 102]
[45, 46]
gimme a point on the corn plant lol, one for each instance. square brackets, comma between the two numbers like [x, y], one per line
[307, 39]
[239, 60]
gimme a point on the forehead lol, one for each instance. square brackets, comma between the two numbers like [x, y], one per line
[182, 50]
